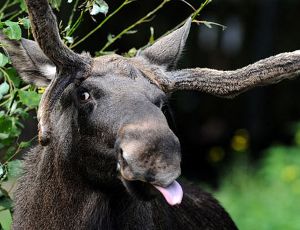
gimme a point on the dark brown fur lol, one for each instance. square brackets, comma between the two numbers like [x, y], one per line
[53, 196]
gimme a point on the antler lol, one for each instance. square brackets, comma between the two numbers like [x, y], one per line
[231, 83]
[46, 33]
[70, 66]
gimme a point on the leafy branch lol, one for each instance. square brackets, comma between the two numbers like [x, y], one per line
[144, 19]
[126, 2]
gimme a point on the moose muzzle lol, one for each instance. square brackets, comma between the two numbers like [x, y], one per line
[149, 151]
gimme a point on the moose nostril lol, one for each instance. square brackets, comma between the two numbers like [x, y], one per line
[121, 151]
[122, 160]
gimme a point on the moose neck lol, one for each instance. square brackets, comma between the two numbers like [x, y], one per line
[59, 189]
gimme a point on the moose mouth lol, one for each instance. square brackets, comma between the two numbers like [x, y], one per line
[172, 193]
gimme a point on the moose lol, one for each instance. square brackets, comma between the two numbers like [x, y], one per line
[106, 157]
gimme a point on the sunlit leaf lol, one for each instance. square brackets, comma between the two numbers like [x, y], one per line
[69, 39]
[131, 31]
[25, 22]
[132, 52]
[151, 39]
[110, 37]
[5, 219]
[23, 5]
[99, 6]
[14, 168]
[55, 3]
[25, 144]
[3, 60]
[4, 136]
[29, 98]
[4, 88]
[13, 30]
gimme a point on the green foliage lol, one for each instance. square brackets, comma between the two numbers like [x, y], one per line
[266, 197]
[8, 176]
[16, 100]
[12, 30]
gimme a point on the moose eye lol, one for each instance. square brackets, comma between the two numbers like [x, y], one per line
[84, 96]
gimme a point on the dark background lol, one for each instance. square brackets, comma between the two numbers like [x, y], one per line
[205, 124]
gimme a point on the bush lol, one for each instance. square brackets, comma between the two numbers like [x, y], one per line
[266, 197]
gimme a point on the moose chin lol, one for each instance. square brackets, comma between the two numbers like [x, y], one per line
[107, 158]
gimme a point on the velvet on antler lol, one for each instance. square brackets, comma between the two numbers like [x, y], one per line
[46, 33]
[231, 83]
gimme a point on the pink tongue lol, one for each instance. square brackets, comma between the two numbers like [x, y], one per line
[173, 193]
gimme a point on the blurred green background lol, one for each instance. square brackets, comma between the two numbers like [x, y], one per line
[264, 195]
[246, 151]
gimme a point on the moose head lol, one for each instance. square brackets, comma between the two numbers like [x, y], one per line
[107, 113]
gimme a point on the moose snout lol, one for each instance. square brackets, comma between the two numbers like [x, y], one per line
[149, 153]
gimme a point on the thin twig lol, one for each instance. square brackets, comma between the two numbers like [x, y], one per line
[76, 24]
[4, 6]
[146, 18]
[207, 23]
[126, 2]
[190, 5]
[73, 13]
[196, 12]
[8, 95]
[18, 150]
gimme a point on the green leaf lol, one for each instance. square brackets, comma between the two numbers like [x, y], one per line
[23, 5]
[14, 169]
[99, 6]
[29, 98]
[25, 22]
[13, 75]
[5, 219]
[4, 89]
[132, 52]
[10, 152]
[24, 144]
[55, 4]
[110, 37]
[4, 136]
[5, 203]
[3, 60]
[151, 39]
[131, 32]
[13, 30]
[69, 39]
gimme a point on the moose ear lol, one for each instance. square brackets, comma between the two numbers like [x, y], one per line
[29, 60]
[167, 50]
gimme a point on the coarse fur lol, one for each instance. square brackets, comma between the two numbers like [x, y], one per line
[60, 202]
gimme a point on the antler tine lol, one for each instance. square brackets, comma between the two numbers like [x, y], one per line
[46, 33]
[231, 83]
